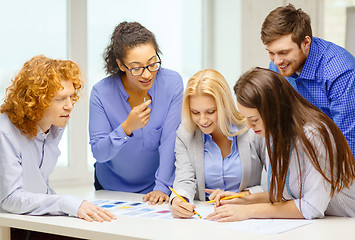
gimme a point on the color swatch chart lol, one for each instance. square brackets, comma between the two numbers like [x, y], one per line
[142, 209]
[137, 209]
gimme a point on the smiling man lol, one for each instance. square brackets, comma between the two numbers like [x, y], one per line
[33, 116]
[322, 72]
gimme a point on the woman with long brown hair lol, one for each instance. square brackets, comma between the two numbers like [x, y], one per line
[311, 169]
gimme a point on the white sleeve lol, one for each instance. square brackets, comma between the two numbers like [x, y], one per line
[14, 199]
[316, 190]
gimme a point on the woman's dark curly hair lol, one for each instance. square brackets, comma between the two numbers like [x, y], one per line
[126, 36]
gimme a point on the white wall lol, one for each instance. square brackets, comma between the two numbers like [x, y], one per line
[253, 15]
[350, 30]
[78, 172]
[222, 38]
[232, 43]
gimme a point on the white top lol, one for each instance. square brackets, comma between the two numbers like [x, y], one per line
[315, 198]
[25, 165]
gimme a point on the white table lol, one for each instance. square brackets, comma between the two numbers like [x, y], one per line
[126, 227]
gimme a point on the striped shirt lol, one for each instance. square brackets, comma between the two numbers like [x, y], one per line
[327, 81]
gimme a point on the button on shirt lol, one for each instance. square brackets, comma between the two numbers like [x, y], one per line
[25, 166]
[225, 174]
[327, 81]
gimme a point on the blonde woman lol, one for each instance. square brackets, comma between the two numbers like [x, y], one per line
[311, 169]
[213, 151]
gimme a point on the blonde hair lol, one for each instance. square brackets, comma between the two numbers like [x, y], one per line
[33, 89]
[211, 82]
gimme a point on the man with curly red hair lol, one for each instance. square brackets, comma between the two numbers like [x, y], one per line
[35, 111]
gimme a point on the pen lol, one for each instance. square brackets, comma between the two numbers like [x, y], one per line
[231, 197]
[182, 199]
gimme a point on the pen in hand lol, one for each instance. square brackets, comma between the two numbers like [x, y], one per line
[182, 199]
[231, 197]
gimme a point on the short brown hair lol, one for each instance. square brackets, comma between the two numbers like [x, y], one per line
[285, 20]
[33, 89]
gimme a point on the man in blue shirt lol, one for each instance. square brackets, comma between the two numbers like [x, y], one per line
[322, 72]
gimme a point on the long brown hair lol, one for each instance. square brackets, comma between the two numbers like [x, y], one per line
[285, 113]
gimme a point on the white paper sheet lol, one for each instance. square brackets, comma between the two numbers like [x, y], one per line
[144, 210]
[267, 226]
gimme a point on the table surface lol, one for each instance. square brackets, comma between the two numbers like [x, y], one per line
[127, 227]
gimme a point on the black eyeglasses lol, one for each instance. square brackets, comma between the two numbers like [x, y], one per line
[137, 71]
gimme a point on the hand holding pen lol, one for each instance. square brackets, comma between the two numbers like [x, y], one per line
[181, 208]
[218, 195]
[137, 118]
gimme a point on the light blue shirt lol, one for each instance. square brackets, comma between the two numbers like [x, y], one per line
[327, 81]
[225, 174]
[25, 165]
[145, 160]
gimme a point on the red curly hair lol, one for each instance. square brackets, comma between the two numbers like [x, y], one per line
[33, 89]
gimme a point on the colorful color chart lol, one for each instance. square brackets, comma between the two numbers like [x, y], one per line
[142, 209]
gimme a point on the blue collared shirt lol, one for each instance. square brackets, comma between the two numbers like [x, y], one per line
[25, 165]
[327, 81]
[145, 160]
[225, 174]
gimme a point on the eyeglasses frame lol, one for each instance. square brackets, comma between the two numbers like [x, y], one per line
[145, 67]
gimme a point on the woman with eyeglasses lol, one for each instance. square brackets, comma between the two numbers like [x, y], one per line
[134, 114]
[213, 152]
[311, 169]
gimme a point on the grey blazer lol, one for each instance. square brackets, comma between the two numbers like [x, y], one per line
[189, 152]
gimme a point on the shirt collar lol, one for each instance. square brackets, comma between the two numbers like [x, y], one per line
[52, 134]
[234, 130]
[208, 137]
[121, 88]
[310, 67]
[124, 92]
